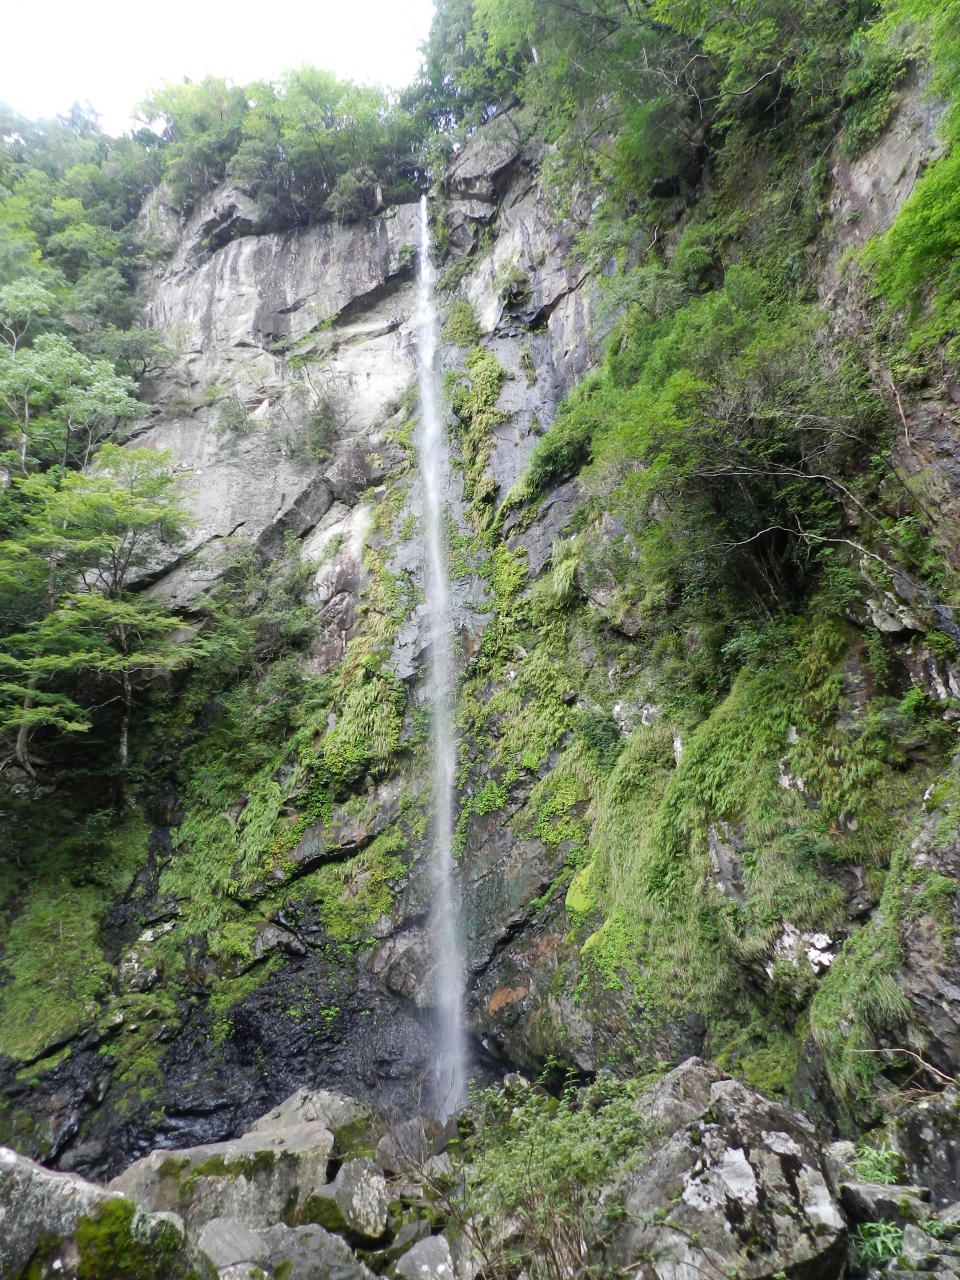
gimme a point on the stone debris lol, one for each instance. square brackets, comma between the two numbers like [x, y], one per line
[49, 1220]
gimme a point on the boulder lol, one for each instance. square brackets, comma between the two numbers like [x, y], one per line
[477, 173]
[429, 1259]
[258, 1178]
[408, 1144]
[228, 1243]
[310, 1253]
[733, 1185]
[354, 1204]
[307, 1253]
[59, 1224]
[922, 1252]
[347, 1119]
[883, 1202]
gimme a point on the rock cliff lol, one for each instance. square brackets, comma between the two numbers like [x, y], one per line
[288, 407]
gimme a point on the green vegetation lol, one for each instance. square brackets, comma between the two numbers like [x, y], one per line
[876, 1242]
[113, 1245]
[474, 395]
[307, 147]
[461, 325]
[708, 730]
[739, 505]
[916, 261]
[543, 1162]
[877, 1164]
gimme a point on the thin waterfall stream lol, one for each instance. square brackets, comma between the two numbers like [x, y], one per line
[451, 1055]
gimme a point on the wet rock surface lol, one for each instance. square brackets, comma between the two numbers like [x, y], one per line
[259, 1205]
[720, 1181]
[252, 1178]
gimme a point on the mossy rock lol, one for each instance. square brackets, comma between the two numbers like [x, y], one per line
[118, 1242]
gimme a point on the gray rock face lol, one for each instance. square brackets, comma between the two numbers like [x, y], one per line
[927, 1138]
[59, 1222]
[733, 1186]
[871, 188]
[882, 1202]
[235, 409]
[255, 1178]
[474, 174]
[350, 828]
[356, 1202]
[429, 1259]
[929, 971]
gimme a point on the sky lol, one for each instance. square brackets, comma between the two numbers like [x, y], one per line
[110, 53]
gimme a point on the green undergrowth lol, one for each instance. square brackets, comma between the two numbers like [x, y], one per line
[279, 750]
[860, 1000]
[543, 1160]
[473, 394]
[55, 978]
[796, 795]
[915, 262]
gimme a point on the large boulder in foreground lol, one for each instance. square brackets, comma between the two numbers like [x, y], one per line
[280, 1252]
[734, 1185]
[56, 1224]
[259, 1179]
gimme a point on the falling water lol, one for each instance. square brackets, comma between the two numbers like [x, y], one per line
[451, 1062]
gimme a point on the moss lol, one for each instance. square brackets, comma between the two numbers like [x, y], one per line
[114, 1245]
[461, 325]
[367, 732]
[580, 901]
[353, 1139]
[234, 1167]
[860, 999]
[757, 1051]
[53, 970]
[322, 1210]
[351, 896]
[474, 395]
[742, 766]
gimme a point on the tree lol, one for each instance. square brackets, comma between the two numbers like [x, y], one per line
[97, 532]
[60, 402]
[22, 302]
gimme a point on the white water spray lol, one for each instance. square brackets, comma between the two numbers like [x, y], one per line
[451, 1064]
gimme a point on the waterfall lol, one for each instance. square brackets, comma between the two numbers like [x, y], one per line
[451, 1055]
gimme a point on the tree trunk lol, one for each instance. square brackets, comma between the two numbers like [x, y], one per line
[23, 733]
[125, 722]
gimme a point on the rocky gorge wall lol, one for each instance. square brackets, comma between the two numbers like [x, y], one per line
[267, 333]
[290, 414]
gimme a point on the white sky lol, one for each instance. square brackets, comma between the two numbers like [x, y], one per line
[111, 52]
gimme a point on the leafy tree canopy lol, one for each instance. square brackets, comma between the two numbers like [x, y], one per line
[308, 147]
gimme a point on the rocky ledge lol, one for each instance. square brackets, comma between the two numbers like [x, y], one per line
[723, 1182]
